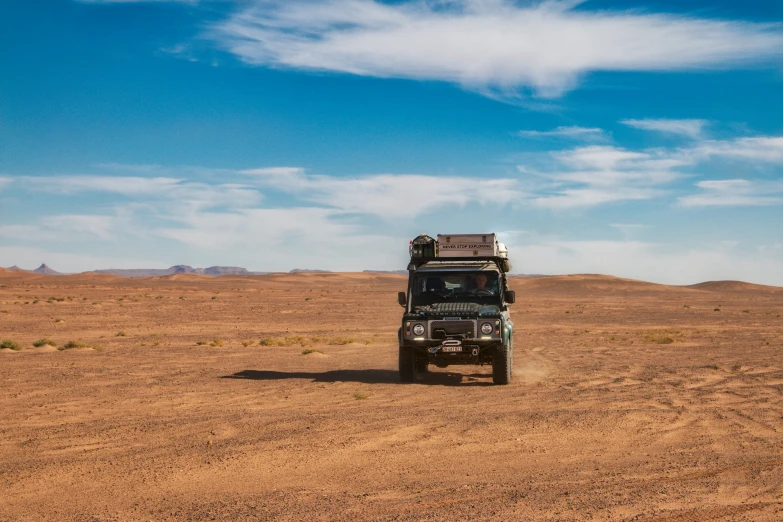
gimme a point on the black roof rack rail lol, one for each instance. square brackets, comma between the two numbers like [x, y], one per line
[502, 262]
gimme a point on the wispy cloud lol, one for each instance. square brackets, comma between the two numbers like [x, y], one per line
[689, 128]
[137, 1]
[760, 149]
[178, 192]
[4, 181]
[496, 47]
[660, 262]
[389, 196]
[735, 193]
[573, 132]
[596, 175]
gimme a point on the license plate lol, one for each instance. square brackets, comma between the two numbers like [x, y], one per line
[451, 349]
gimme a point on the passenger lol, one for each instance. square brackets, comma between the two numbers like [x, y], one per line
[434, 285]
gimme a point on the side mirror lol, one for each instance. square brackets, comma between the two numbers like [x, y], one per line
[511, 297]
[402, 299]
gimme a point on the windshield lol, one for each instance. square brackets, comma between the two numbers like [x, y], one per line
[472, 287]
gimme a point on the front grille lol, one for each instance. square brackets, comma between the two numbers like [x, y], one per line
[454, 327]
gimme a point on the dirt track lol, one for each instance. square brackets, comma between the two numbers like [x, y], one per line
[631, 401]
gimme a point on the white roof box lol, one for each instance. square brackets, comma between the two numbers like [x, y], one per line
[468, 245]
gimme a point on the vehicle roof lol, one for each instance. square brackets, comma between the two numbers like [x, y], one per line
[458, 266]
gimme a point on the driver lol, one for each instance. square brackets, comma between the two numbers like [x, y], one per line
[482, 283]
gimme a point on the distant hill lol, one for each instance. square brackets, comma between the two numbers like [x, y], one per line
[178, 269]
[734, 286]
[295, 270]
[43, 269]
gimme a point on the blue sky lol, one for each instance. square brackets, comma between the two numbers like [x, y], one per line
[641, 139]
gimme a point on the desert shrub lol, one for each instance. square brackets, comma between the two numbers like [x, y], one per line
[307, 351]
[201, 343]
[3, 311]
[10, 345]
[284, 341]
[246, 343]
[79, 344]
[360, 396]
[217, 342]
[120, 334]
[44, 342]
[72, 344]
[348, 340]
[59, 320]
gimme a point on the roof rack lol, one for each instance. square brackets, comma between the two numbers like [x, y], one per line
[459, 248]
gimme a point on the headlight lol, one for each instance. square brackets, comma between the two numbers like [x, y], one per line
[486, 328]
[418, 329]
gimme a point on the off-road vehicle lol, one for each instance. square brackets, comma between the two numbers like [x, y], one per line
[456, 306]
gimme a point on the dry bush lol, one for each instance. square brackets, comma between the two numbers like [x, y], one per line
[10, 345]
[284, 341]
[307, 351]
[44, 342]
[216, 342]
[120, 334]
[662, 336]
[360, 396]
[78, 344]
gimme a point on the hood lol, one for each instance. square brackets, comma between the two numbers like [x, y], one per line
[458, 309]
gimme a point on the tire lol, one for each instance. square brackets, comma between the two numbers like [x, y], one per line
[407, 365]
[422, 365]
[502, 362]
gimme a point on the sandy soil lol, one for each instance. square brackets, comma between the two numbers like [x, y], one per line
[630, 401]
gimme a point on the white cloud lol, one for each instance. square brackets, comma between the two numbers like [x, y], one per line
[286, 238]
[136, 1]
[389, 196]
[662, 263]
[595, 175]
[761, 149]
[574, 132]
[177, 192]
[735, 193]
[32, 257]
[496, 47]
[125, 185]
[689, 128]
[4, 181]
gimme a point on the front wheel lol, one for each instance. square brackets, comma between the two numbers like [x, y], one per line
[407, 364]
[502, 363]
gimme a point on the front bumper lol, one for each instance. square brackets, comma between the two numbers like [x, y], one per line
[454, 351]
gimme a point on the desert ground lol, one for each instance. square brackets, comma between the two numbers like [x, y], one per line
[276, 398]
